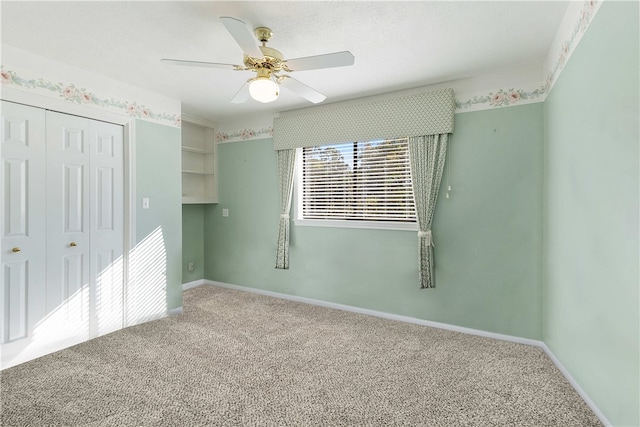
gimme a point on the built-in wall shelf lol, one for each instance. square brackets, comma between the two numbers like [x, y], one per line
[197, 150]
[199, 162]
[197, 172]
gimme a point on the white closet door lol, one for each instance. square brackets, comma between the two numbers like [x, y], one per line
[62, 231]
[68, 228]
[22, 296]
[107, 227]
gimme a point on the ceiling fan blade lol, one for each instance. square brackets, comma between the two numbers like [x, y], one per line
[242, 95]
[198, 64]
[328, 60]
[301, 89]
[243, 36]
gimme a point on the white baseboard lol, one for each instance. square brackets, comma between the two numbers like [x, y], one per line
[381, 314]
[376, 313]
[413, 320]
[193, 284]
[175, 311]
[576, 386]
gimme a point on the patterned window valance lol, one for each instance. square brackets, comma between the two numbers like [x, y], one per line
[422, 114]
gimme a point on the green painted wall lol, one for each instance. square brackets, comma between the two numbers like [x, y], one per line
[591, 313]
[487, 235]
[158, 177]
[192, 242]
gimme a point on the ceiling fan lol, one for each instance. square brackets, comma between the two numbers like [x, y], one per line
[268, 63]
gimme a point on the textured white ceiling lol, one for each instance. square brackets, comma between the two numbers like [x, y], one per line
[397, 45]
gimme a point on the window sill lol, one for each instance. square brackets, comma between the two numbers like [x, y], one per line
[356, 224]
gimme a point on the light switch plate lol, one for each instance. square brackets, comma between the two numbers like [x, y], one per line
[145, 203]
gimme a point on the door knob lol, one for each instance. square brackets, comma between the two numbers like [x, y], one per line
[73, 244]
[16, 249]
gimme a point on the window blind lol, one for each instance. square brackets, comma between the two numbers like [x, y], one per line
[366, 181]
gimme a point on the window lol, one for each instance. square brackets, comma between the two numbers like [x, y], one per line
[345, 184]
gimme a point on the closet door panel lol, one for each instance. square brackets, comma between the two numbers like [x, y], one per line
[15, 292]
[107, 226]
[68, 234]
[22, 178]
[16, 197]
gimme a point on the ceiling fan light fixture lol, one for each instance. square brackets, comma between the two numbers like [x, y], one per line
[263, 89]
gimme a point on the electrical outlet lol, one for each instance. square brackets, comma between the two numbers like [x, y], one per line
[190, 266]
[225, 212]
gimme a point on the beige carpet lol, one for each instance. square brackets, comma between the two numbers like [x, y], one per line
[236, 358]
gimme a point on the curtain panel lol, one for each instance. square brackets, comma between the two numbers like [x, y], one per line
[286, 166]
[426, 158]
[428, 113]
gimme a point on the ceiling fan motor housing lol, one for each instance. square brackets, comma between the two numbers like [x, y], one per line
[272, 59]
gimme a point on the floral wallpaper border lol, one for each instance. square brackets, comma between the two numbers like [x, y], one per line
[585, 16]
[502, 98]
[80, 95]
[244, 134]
